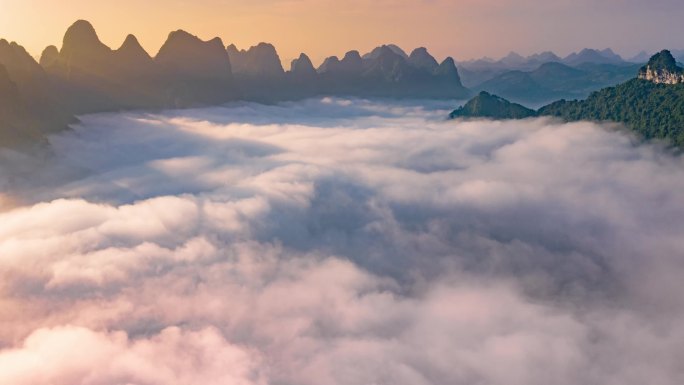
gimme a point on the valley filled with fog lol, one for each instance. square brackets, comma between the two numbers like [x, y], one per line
[341, 241]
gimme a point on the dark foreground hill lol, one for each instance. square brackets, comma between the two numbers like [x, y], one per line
[652, 104]
[491, 106]
[652, 110]
[85, 76]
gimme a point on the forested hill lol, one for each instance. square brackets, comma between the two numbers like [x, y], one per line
[652, 105]
[653, 110]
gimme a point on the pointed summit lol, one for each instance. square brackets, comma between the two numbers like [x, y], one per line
[302, 67]
[351, 63]
[662, 68]
[330, 64]
[448, 69]
[421, 58]
[232, 50]
[131, 60]
[82, 51]
[131, 54]
[663, 60]
[81, 36]
[23, 69]
[17, 60]
[49, 56]
[131, 47]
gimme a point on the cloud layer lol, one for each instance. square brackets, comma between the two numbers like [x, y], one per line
[341, 242]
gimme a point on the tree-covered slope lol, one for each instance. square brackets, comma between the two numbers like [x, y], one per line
[487, 105]
[653, 110]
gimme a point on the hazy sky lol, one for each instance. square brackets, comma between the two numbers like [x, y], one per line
[459, 28]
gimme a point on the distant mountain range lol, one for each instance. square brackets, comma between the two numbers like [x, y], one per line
[651, 104]
[474, 73]
[85, 76]
[554, 80]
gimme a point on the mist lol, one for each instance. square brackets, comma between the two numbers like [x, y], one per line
[340, 241]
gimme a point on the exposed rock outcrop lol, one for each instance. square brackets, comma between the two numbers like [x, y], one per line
[662, 69]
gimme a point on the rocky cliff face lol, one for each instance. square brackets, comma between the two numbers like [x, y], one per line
[662, 69]
[662, 77]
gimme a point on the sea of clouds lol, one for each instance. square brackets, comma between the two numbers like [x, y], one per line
[341, 242]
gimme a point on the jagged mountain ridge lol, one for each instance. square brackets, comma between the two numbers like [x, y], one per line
[554, 80]
[84, 76]
[479, 71]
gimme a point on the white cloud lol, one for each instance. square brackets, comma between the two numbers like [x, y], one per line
[341, 242]
[73, 355]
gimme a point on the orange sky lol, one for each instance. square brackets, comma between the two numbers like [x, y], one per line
[460, 28]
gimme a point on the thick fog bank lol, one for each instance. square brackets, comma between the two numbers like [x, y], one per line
[340, 241]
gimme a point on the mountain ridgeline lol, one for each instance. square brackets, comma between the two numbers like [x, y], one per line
[594, 63]
[85, 76]
[652, 104]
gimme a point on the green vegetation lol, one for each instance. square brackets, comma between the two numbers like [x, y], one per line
[655, 111]
[652, 110]
[491, 106]
[663, 61]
